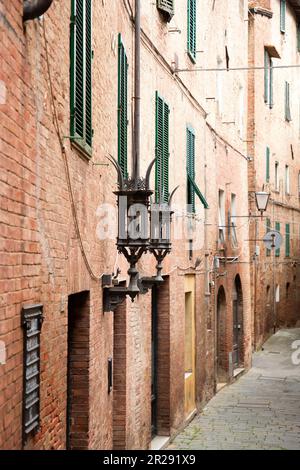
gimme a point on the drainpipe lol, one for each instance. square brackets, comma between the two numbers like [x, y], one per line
[137, 92]
[34, 8]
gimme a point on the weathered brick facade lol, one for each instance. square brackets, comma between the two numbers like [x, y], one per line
[268, 127]
[50, 221]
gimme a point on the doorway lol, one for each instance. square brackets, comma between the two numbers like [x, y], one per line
[237, 355]
[77, 428]
[154, 355]
[189, 353]
[221, 359]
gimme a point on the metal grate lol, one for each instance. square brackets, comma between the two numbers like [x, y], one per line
[32, 318]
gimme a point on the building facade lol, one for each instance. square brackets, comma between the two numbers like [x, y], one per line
[73, 375]
[273, 139]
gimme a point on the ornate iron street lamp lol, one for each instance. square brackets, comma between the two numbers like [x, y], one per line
[133, 198]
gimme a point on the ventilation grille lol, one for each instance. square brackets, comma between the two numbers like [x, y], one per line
[166, 7]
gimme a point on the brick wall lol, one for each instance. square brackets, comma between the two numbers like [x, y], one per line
[41, 256]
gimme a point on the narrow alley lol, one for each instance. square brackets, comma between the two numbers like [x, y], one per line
[259, 411]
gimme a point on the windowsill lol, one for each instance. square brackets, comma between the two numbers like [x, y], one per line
[85, 151]
[192, 58]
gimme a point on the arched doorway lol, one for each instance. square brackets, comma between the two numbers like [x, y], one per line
[238, 343]
[222, 363]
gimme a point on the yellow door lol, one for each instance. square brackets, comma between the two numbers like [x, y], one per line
[189, 359]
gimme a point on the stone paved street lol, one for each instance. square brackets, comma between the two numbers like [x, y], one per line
[259, 411]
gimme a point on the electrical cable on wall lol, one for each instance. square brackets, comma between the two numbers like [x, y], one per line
[67, 169]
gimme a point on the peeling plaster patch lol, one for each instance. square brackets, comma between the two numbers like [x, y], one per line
[2, 353]
[2, 92]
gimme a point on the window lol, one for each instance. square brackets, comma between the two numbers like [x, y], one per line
[32, 318]
[221, 216]
[268, 252]
[81, 74]
[162, 150]
[190, 169]
[191, 28]
[122, 108]
[233, 221]
[287, 240]
[166, 7]
[268, 165]
[277, 227]
[287, 102]
[192, 187]
[287, 179]
[268, 77]
[277, 294]
[276, 176]
[299, 184]
[282, 15]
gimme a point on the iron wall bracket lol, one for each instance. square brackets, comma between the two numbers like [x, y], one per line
[147, 283]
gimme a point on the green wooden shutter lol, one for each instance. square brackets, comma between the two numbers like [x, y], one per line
[162, 150]
[267, 164]
[192, 29]
[282, 15]
[122, 108]
[268, 252]
[81, 74]
[287, 102]
[287, 240]
[277, 227]
[88, 73]
[298, 37]
[166, 154]
[271, 74]
[190, 168]
[266, 77]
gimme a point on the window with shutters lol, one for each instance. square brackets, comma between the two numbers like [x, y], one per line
[233, 222]
[81, 75]
[288, 116]
[287, 179]
[277, 227]
[268, 227]
[190, 150]
[122, 108]
[268, 165]
[192, 187]
[162, 150]
[287, 240]
[192, 29]
[222, 223]
[282, 15]
[268, 79]
[166, 7]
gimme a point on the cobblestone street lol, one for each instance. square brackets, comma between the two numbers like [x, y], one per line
[259, 411]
